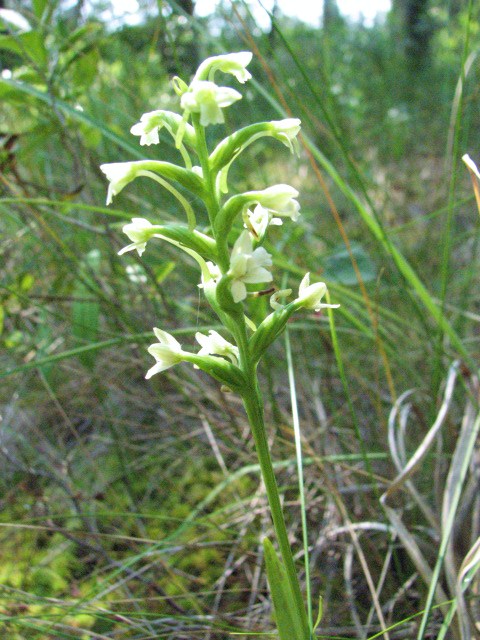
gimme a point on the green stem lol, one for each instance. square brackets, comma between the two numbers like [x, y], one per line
[252, 401]
[211, 200]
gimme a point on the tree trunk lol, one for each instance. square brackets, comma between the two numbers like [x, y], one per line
[418, 31]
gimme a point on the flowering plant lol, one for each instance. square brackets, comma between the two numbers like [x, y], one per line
[231, 271]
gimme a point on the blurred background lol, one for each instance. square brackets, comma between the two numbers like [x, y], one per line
[133, 508]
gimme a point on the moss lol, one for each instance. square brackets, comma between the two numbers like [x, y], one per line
[46, 582]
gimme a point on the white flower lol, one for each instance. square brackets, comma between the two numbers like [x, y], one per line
[248, 266]
[167, 352]
[257, 221]
[310, 295]
[148, 127]
[279, 200]
[151, 123]
[286, 131]
[232, 63]
[139, 230]
[207, 99]
[215, 344]
[119, 174]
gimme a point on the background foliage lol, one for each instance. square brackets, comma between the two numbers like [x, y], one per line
[133, 509]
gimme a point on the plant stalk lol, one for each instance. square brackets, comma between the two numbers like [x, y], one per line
[252, 401]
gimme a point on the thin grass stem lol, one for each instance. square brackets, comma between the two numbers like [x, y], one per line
[301, 487]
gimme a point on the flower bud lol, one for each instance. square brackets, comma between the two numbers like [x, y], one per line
[179, 85]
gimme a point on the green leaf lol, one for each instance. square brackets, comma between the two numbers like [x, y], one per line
[84, 68]
[10, 44]
[92, 137]
[26, 282]
[320, 613]
[14, 339]
[291, 623]
[29, 46]
[339, 268]
[86, 35]
[39, 7]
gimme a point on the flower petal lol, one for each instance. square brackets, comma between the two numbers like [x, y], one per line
[239, 291]
[232, 63]
[167, 339]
